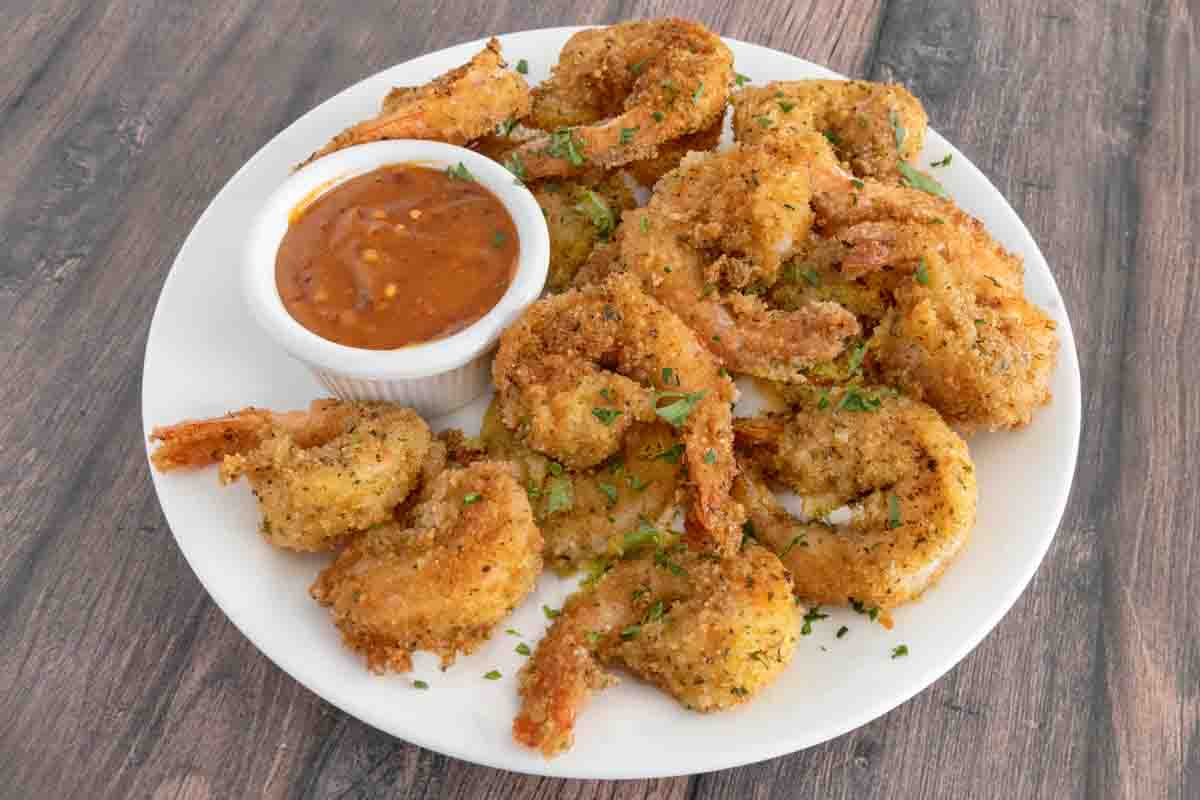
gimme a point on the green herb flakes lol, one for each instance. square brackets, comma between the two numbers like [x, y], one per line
[460, 172]
[594, 208]
[607, 416]
[916, 179]
[420, 684]
[899, 651]
[522, 649]
[472, 498]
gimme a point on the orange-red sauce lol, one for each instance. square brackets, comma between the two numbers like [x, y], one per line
[398, 256]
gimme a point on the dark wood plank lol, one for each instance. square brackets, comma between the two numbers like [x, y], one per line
[120, 120]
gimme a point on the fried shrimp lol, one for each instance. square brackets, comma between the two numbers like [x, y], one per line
[710, 632]
[959, 332]
[584, 514]
[618, 93]
[318, 475]
[471, 556]
[724, 222]
[906, 476]
[579, 369]
[461, 105]
[872, 126]
[649, 171]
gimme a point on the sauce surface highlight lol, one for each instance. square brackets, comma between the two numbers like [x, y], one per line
[401, 255]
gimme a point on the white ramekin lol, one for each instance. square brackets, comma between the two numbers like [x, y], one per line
[435, 377]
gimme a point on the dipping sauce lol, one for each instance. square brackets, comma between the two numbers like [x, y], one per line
[401, 255]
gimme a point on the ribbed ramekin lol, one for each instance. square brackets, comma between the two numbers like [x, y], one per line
[434, 377]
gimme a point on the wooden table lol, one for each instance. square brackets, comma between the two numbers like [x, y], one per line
[119, 121]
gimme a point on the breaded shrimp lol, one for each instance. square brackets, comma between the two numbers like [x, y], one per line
[201, 442]
[906, 476]
[649, 171]
[584, 514]
[724, 222]
[959, 332]
[456, 107]
[577, 370]
[710, 632]
[471, 556]
[649, 81]
[318, 476]
[872, 126]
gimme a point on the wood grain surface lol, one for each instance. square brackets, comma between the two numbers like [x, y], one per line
[120, 120]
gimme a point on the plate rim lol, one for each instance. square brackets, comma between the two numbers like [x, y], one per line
[1068, 359]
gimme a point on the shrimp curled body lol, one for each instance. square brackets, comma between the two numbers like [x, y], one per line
[724, 222]
[318, 475]
[649, 82]
[471, 556]
[906, 476]
[461, 105]
[711, 632]
[578, 369]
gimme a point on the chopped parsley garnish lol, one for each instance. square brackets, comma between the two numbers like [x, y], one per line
[916, 179]
[627, 135]
[798, 540]
[420, 685]
[522, 649]
[644, 535]
[945, 162]
[472, 498]
[636, 67]
[658, 116]
[857, 400]
[740, 79]
[593, 637]
[787, 107]
[858, 606]
[635, 483]
[523, 67]
[460, 172]
[748, 533]
[555, 468]
[811, 277]
[607, 416]
[656, 612]
[670, 377]
[516, 166]
[899, 651]
[559, 495]
[506, 127]
[899, 128]
[550, 613]
[893, 511]
[671, 454]
[842, 631]
[494, 675]
[631, 632]
[663, 560]
[644, 224]
[813, 615]
[696, 94]
[763, 121]
[563, 144]
[831, 137]
[512, 631]
[677, 412]
[922, 274]
[856, 183]
[856, 358]
[594, 208]
[823, 403]
[710, 457]
[498, 239]
[610, 492]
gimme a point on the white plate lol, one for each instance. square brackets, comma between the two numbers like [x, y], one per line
[205, 356]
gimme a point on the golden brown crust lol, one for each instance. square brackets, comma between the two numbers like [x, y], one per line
[471, 556]
[710, 632]
[463, 104]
